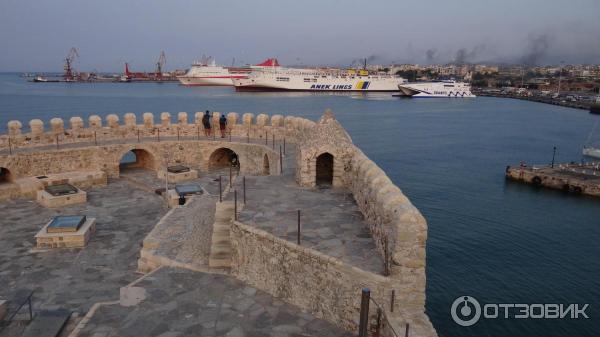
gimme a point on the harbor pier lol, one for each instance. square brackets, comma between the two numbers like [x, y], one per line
[572, 178]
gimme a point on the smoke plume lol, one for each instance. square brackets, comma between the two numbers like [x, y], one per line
[536, 50]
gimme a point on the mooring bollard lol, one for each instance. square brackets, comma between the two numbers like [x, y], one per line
[364, 312]
[392, 300]
[235, 205]
[220, 189]
[244, 183]
[9, 146]
[298, 227]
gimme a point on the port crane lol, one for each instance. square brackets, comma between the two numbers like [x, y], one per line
[69, 74]
[160, 64]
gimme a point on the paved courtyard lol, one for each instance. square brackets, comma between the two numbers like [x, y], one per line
[186, 303]
[330, 219]
[75, 279]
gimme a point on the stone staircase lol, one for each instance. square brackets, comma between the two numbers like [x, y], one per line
[220, 250]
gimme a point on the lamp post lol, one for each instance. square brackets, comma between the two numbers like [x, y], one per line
[553, 156]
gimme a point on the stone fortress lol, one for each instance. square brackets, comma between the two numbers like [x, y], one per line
[292, 213]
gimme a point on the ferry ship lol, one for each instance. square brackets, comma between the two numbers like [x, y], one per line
[436, 89]
[208, 73]
[282, 79]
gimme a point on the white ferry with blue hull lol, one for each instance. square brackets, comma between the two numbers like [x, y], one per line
[294, 79]
[451, 89]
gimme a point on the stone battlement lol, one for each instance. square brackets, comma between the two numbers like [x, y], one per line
[113, 128]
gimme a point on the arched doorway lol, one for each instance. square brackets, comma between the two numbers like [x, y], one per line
[324, 170]
[266, 169]
[5, 176]
[137, 159]
[223, 158]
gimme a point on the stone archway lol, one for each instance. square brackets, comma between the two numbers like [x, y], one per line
[5, 176]
[137, 159]
[223, 158]
[324, 170]
[266, 168]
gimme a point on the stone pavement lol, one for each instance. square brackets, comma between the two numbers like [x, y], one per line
[186, 303]
[330, 219]
[75, 279]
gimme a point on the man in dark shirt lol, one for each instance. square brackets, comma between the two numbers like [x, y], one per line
[206, 123]
[223, 125]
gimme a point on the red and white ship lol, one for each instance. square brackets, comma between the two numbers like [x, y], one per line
[208, 73]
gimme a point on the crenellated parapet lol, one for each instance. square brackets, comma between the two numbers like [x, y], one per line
[112, 127]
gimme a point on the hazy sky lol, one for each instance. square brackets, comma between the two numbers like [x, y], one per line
[35, 35]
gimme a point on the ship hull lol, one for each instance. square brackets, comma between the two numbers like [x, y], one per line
[318, 84]
[219, 81]
[445, 89]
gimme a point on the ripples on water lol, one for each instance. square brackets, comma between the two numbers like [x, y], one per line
[498, 241]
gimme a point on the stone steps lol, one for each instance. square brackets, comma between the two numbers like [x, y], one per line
[220, 250]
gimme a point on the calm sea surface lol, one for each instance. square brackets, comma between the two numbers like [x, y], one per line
[497, 241]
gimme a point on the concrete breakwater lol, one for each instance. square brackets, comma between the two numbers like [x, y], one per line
[325, 154]
[571, 178]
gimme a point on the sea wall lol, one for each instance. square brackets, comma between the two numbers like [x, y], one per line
[396, 225]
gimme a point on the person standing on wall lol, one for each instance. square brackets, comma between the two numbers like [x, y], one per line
[206, 123]
[223, 125]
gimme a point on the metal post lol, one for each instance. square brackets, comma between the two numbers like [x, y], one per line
[230, 175]
[364, 312]
[138, 132]
[392, 300]
[266, 138]
[30, 308]
[273, 142]
[386, 265]
[57, 141]
[280, 161]
[95, 139]
[177, 134]
[244, 184]
[9, 146]
[158, 134]
[198, 131]
[220, 189]
[214, 132]
[235, 205]
[298, 227]
[407, 329]
[230, 135]
[283, 145]
[553, 156]
[248, 137]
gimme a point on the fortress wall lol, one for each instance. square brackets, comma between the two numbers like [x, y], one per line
[393, 218]
[323, 285]
[114, 128]
[107, 157]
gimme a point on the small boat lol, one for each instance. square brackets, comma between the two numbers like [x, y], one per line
[591, 148]
[42, 79]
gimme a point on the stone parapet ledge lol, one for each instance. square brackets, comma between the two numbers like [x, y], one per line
[291, 128]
